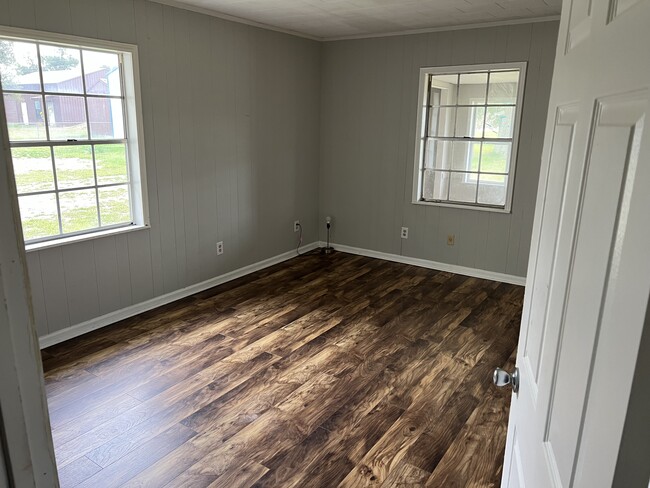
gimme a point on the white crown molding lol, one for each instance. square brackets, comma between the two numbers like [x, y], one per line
[232, 18]
[425, 263]
[124, 313]
[479, 25]
[261, 25]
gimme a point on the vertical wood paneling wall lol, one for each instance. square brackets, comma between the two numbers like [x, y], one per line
[368, 122]
[232, 145]
[247, 130]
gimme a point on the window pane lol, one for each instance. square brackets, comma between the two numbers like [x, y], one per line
[61, 69]
[464, 155]
[78, 210]
[25, 117]
[496, 157]
[105, 116]
[474, 156]
[503, 87]
[462, 187]
[114, 205]
[449, 86]
[110, 160]
[499, 122]
[19, 66]
[436, 155]
[39, 216]
[33, 169]
[74, 166]
[492, 189]
[441, 121]
[469, 121]
[66, 117]
[472, 88]
[463, 122]
[435, 185]
[435, 96]
[477, 120]
[102, 73]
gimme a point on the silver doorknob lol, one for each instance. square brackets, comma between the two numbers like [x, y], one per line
[502, 378]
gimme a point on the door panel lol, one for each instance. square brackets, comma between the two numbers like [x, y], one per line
[515, 475]
[579, 23]
[588, 281]
[560, 158]
[617, 7]
[616, 127]
[622, 308]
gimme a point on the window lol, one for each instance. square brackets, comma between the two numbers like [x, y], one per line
[467, 135]
[72, 113]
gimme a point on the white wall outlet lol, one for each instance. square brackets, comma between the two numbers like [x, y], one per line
[405, 233]
[451, 239]
[296, 225]
[219, 247]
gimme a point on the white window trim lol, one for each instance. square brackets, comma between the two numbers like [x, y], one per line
[88, 236]
[419, 141]
[134, 132]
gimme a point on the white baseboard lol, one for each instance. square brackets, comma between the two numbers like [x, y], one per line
[117, 315]
[425, 263]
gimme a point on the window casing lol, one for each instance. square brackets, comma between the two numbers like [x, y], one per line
[467, 132]
[72, 115]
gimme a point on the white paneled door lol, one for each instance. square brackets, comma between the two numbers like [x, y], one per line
[589, 272]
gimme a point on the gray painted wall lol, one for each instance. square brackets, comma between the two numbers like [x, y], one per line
[368, 123]
[233, 138]
[633, 468]
[232, 146]
[4, 478]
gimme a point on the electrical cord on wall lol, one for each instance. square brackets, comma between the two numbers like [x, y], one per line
[299, 239]
[328, 248]
[329, 226]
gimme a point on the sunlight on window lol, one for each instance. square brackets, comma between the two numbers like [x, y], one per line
[468, 132]
[66, 117]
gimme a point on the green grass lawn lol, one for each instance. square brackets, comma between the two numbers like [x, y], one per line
[36, 132]
[493, 160]
[74, 169]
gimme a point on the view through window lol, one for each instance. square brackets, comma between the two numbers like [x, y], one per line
[467, 139]
[67, 122]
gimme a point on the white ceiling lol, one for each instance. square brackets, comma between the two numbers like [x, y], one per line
[331, 19]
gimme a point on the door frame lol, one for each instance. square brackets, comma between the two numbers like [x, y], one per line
[25, 431]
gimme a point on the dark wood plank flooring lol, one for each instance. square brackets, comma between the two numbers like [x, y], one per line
[322, 371]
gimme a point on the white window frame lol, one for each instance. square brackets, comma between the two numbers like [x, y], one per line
[420, 139]
[134, 130]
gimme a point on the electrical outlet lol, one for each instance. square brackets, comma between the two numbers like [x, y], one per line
[296, 225]
[405, 233]
[451, 239]
[219, 247]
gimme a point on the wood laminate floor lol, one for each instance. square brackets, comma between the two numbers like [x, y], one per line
[322, 371]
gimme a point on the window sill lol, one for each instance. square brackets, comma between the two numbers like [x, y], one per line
[463, 207]
[39, 246]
